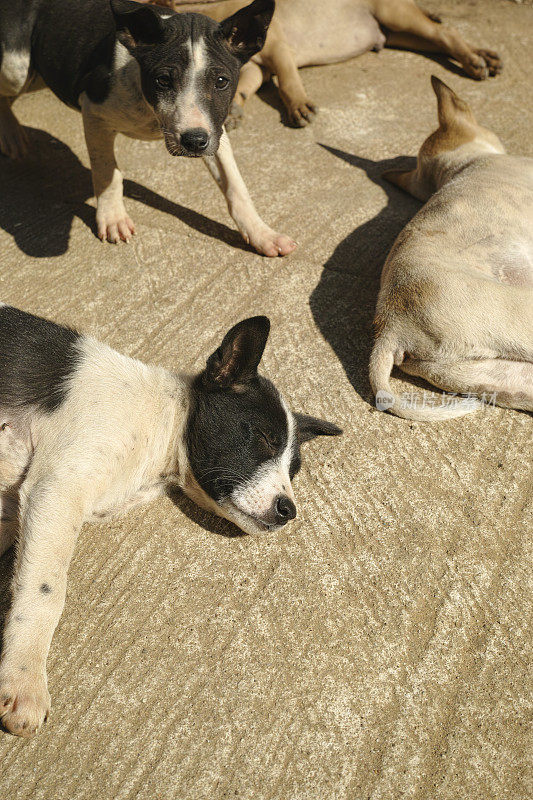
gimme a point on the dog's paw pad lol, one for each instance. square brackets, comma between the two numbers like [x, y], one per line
[302, 114]
[24, 705]
[477, 68]
[272, 244]
[492, 60]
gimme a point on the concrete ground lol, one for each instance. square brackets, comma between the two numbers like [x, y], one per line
[378, 647]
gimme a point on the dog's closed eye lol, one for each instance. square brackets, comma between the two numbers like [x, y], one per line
[272, 442]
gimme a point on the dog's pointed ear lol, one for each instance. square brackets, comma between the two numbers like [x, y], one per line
[136, 24]
[401, 177]
[235, 362]
[451, 108]
[310, 427]
[245, 31]
[409, 181]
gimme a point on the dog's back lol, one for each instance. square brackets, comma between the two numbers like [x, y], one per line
[70, 45]
[456, 300]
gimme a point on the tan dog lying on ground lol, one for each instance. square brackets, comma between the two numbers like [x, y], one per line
[310, 32]
[456, 300]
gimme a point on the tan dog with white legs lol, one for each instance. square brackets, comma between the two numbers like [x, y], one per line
[456, 300]
[311, 32]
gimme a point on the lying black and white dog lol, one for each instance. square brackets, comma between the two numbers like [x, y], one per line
[143, 71]
[86, 432]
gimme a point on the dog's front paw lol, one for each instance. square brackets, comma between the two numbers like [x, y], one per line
[301, 114]
[114, 225]
[235, 117]
[269, 243]
[24, 702]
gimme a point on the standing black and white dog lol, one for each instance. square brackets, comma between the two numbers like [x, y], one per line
[143, 71]
[86, 432]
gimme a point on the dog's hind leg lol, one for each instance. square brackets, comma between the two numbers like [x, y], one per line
[280, 61]
[495, 381]
[408, 26]
[251, 79]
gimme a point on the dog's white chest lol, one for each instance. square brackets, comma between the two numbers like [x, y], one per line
[126, 110]
[120, 499]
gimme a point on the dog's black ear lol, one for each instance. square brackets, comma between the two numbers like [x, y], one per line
[237, 358]
[246, 30]
[310, 427]
[136, 23]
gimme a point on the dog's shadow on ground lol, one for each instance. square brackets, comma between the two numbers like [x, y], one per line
[344, 300]
[205, 519]
[42, 194]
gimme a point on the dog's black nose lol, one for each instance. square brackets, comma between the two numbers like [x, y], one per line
[284, 509]
[195, 140]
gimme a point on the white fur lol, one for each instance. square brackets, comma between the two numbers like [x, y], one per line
[14, 72]
[117, 439]
[188, 110]
[110, 444]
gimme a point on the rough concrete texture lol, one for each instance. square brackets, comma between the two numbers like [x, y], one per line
[377, 647]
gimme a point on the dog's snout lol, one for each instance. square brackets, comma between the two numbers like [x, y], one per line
[195, 140]
[284, 509]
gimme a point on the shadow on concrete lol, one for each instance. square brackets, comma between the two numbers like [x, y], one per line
[205, 519]
[344, 299]
[42, 194]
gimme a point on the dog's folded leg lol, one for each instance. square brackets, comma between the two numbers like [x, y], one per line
[112, 221]
[251, 79]
[50, 522]
[280, 60]
[223, 168]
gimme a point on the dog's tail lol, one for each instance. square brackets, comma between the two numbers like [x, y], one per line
[381, 364]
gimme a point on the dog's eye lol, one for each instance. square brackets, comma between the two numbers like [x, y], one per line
[270, 441]
[221, 82]
[163, 81]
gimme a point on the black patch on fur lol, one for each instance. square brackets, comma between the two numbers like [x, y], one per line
[45, 588]
[72, 46]
[237, 421]
[296, 463]
[36, 358]
[230, 433]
